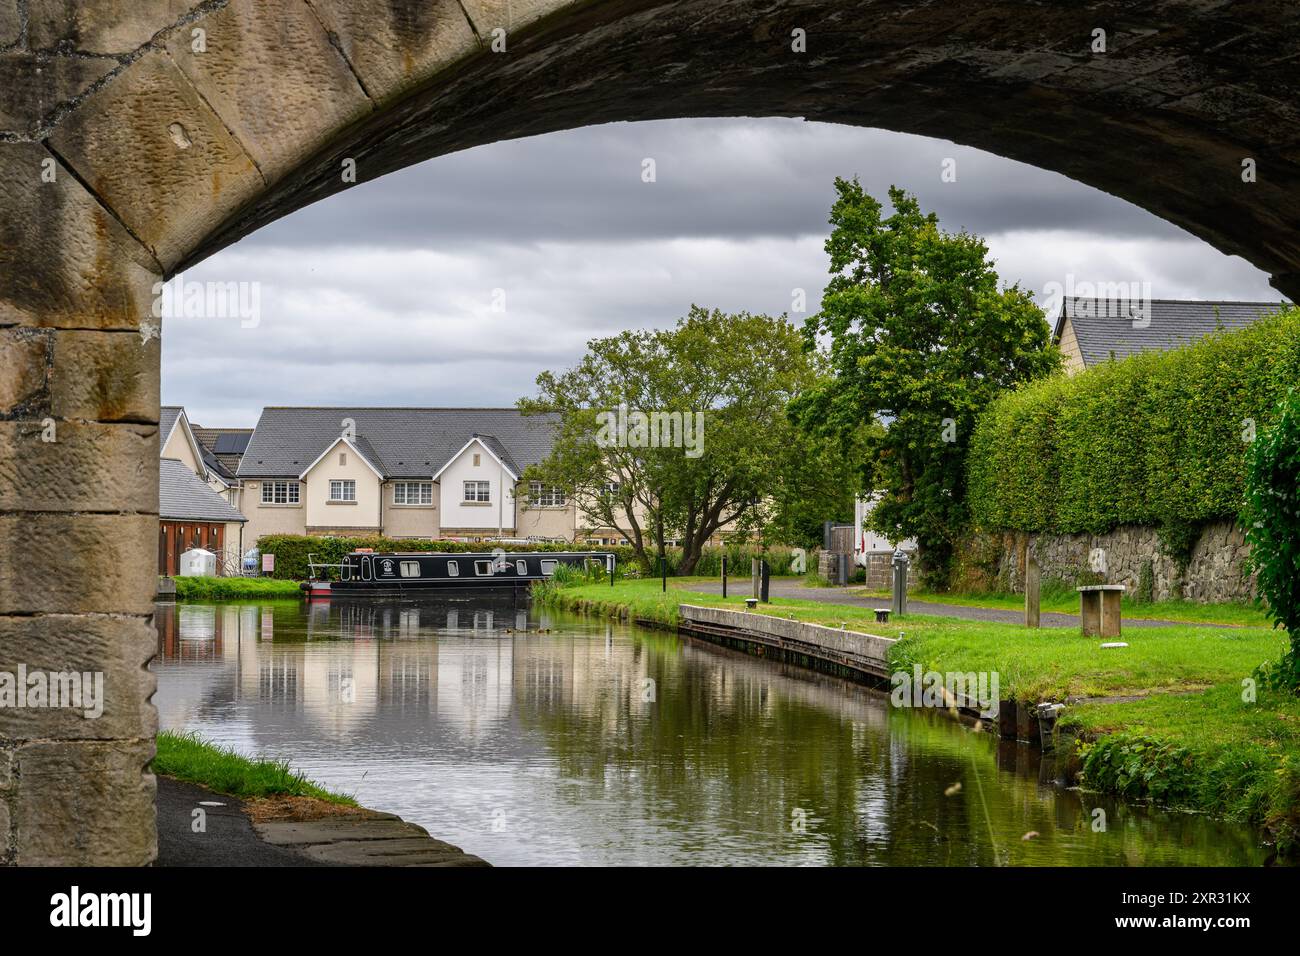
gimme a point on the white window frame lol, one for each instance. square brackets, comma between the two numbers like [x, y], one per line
[546, 496]
[521, 566]
[281, 492]
[409, 569]
[453, 569]
[339, 488]
[481, 487]
[483, 568]
[549, 565]
[413, 493]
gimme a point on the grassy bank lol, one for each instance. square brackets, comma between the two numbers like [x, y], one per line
[222, 589]
[1186, 738]
[1063, 602]
[190, 758]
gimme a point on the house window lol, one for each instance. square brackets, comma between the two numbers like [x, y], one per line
[343, 490]
[410, 569]
[546, 496]
[413, 493]
[478, 491]
[279, 492]
[612, 489]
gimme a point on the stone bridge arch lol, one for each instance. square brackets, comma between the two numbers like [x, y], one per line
[137, 138]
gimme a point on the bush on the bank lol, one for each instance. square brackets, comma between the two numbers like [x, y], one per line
[1272, 520]
[1158, 439]
[291, 552]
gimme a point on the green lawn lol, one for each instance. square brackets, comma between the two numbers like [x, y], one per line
[190, 758]
[1068, 603]
[220, 589]
[1049, 663]
[1189, 741]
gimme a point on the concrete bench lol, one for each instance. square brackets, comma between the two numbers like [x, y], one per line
[1099, 609]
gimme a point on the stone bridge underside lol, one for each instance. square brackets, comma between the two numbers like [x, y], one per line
[125, 154]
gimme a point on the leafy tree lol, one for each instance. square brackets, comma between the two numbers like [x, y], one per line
[1272, 521]
[740, 371]
[921, 339]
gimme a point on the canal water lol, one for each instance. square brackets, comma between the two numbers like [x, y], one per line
[531, 737]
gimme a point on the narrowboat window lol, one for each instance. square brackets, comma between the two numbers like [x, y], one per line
[482, 567]
[548, 565]
[410, 569]
[521, 566]
[453, 569]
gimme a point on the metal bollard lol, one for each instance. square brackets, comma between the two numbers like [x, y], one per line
[899, 563]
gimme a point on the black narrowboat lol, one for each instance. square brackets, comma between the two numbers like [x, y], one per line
[364, 573]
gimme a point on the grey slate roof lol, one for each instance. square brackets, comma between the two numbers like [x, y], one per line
[1174, 322]
[167, 416]
[184, 496]
[401, 442]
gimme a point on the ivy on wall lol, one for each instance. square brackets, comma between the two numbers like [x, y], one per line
[1159, 439]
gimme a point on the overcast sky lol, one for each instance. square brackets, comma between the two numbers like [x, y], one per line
[456, 281]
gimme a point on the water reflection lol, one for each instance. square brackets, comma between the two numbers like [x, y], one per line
[528, 737]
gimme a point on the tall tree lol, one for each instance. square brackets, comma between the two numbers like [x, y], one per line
[922, 337]
[739, 372]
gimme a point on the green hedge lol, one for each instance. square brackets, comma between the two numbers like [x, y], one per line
[291, 553]
[1156, 439]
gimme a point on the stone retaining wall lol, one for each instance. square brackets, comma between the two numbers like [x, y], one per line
[1215, 571]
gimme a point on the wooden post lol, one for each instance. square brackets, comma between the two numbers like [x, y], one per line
[1032, 587]
[724, 575]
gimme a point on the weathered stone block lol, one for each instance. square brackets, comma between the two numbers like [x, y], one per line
[6, 770]
[24, 373]
[11, 22]
[86, 467]
[158, 156]
[85, 804]
[78, 563]
[509, 15]
[64, 260]
[31, 87]
[118, 649]
[271, 73]
[101, 26]
[395, 47]
[105, 376]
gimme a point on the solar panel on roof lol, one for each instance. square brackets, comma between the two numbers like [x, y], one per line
[232, 444]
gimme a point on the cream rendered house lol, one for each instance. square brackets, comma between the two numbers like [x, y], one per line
[401, 472]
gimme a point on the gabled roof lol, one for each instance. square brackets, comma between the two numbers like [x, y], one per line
[172, 417]
[1104, 328]
[368, 459]
[184, 496]
[492, 447]
[400, 442]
